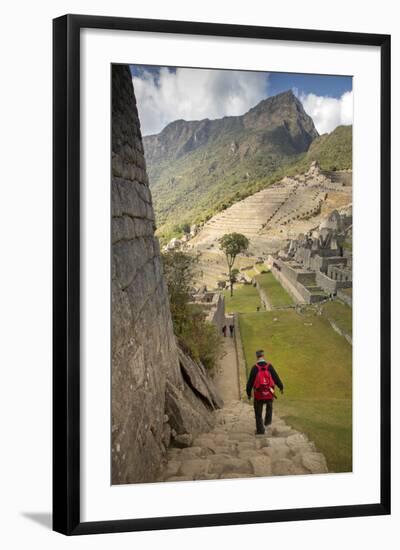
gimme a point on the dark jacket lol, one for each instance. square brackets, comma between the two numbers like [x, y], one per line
[253, 374]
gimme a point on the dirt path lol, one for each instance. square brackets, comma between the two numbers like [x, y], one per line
[226, 379]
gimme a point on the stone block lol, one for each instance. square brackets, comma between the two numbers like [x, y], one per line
[261, 465]
[296, 440]
[131, 202]
[192, 452]
[277, 442]
[237, 465]
[171, 468]
[195, 467]
[315, 462]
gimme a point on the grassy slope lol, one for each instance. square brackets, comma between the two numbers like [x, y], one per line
[192, 190]
[333, 151]
[341, 314]
[245, 299]
[314, 363]
[277, 295]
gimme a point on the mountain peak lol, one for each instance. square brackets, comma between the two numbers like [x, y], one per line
[279, 120]
[283, 97]
[283, 110]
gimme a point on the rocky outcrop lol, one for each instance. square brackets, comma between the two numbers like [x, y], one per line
[152, 402]
[196, 376]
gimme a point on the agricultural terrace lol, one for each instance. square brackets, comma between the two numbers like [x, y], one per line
[276, 294]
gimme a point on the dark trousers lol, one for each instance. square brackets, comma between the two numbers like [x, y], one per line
[258, 410]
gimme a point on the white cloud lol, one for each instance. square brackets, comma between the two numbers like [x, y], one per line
[194, 94]
[328, 112]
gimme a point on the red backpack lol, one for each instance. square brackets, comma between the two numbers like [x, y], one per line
[264, 383]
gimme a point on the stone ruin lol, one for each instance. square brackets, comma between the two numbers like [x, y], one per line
[316, 265]
[182, 243]
[159, 395]
[213, 304]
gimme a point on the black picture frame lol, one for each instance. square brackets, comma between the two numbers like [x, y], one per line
[66, 273]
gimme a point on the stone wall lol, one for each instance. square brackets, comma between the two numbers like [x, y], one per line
[296, 274]
[155, 396]
[217, 312]
[293, 281]
[342, 177]
[289, 286]
[346, 298]
[326, 283]
[322, 263]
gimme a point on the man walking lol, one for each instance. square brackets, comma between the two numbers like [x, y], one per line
[231, 329]
[263, 378]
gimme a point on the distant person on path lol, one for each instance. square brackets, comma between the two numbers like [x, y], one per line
[231, 329]
[263, 378]
[224, 330]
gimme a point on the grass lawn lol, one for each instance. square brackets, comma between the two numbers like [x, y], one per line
[314, 363]
[249, 272]
[341, 314]
[276, 294]
[245, 299]
[261, 267]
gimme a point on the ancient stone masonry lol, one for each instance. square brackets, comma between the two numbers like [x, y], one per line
[315, 266]
[158, 394]
[231, 450]
[213, 305]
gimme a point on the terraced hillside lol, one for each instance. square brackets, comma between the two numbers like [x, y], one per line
[247, 217]
[269, 219]
[197, 168]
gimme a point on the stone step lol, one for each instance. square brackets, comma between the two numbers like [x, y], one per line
[232, 450]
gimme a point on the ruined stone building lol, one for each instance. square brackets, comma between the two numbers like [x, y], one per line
[318, 264]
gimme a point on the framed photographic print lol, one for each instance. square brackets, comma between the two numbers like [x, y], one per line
[221, 274]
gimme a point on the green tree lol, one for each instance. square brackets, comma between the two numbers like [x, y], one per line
[185, 228]
[196, 336]
[233, 244]
[234, 275]
[179, 272]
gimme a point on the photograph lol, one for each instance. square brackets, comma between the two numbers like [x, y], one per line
[231, 274]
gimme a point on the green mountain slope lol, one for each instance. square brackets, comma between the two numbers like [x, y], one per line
[333, 151]
[198, 168]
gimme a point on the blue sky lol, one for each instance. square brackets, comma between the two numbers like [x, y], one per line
[165, 94]
[320, 85]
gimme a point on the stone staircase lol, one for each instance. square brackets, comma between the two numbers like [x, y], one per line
[232, 450]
